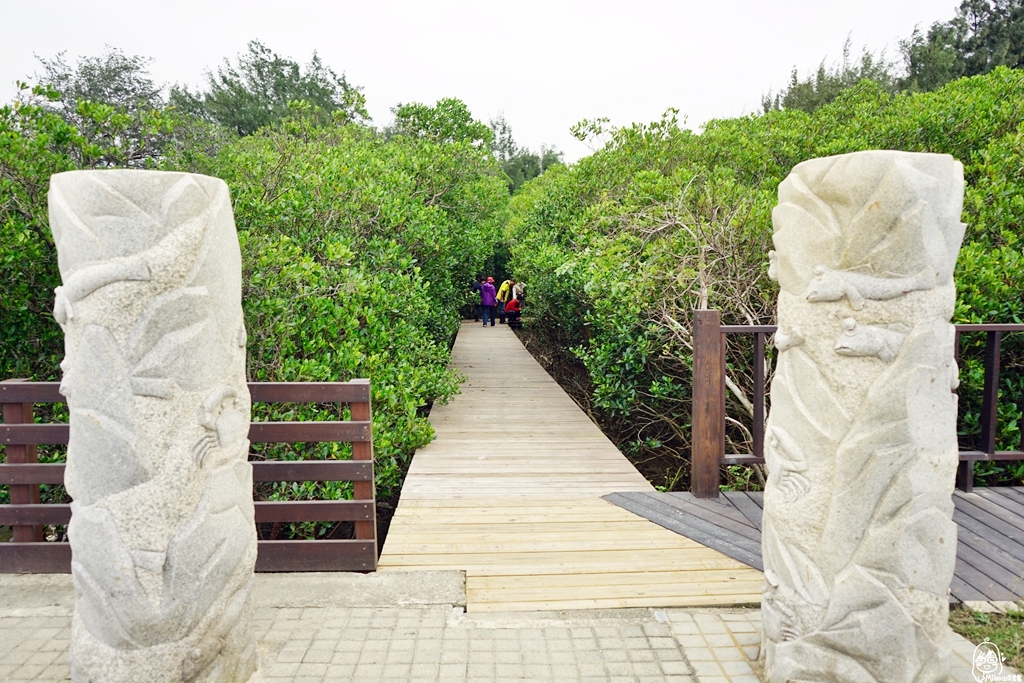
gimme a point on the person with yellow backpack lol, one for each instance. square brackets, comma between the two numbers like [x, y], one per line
[504, 296]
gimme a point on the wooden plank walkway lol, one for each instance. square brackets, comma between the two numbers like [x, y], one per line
[510, 492]
[990, 538]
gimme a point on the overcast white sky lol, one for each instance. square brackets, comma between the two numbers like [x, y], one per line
[545, 64]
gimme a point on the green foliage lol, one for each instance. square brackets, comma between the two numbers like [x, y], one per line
[112, 78]
[932, 60]
[356, 253]
[526, 166]
[35, 142]
[741, 478]
[103, 112]
[983, 35]
[503, 145]
[825, 85]
[519, 163]
[1006, 631]
[357, 250]
[449, 120]
[620, 248]
[257, 90]
[114, 104]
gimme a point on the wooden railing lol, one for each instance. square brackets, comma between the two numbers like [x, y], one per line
[708, 417]
[29, 553]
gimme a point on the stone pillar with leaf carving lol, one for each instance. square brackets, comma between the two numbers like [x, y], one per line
[162, 534]
[861, 445]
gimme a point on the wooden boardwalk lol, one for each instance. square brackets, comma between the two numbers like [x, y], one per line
[990, 537]
[511, 493]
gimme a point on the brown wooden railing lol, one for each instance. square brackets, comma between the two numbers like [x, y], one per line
[28, 553]
[708, 417]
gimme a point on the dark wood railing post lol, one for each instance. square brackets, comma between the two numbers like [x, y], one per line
[363, 450]
[990, 399]
[964, 468]
[989, 410]
[22, 494]
[708, 416]
[758, 431]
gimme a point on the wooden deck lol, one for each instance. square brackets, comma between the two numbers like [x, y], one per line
[990, 538]
[511, 493]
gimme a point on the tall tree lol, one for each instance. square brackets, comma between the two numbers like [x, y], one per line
[256, 91]
[112, 78]
[504, 146]
[984, 34]
[113, 103]
[812, 92]
[933, 59]
[519, 163]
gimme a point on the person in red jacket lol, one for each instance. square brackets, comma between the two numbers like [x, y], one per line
[513, 310]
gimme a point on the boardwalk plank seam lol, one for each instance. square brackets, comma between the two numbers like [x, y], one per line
[1008, 545]
[697, 529]
[989, 562]
[519, 508]
[749, 509]
[722, 514]
[1003, 500]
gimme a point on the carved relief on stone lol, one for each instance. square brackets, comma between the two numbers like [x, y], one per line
[162, 533]
[861, 444]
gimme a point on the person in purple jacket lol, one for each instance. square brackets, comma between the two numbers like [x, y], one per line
[488, 299]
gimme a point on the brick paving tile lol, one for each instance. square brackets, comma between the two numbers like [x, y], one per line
[657, 629]
[737, 668]
[730, 654]
[699, 654]
[710, 624]
[703, 669]
[668, 655]
[636, 655]
[619, 668]
[720, 640]
[678, 668]
[437, 645]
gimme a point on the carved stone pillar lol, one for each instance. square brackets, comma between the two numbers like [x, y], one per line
[162, 534]
[861, 444]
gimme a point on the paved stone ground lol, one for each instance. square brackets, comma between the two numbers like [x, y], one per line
[311, 638]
